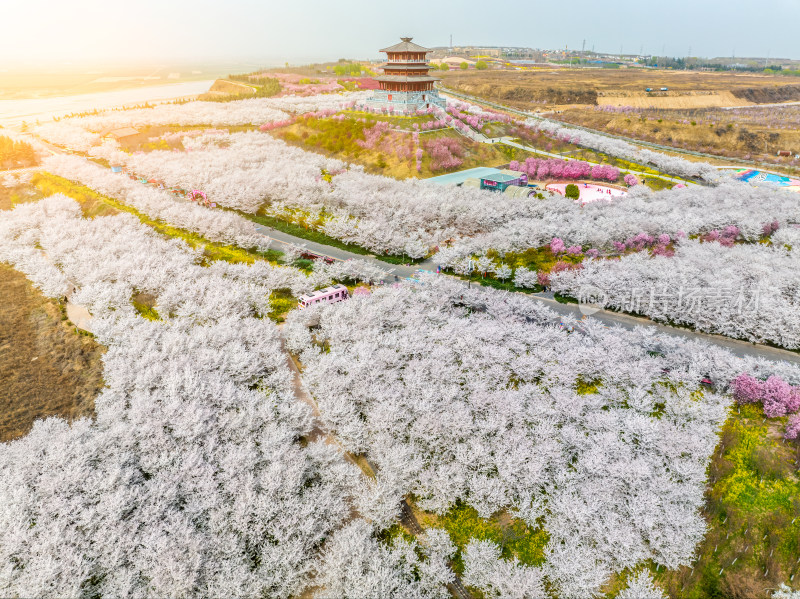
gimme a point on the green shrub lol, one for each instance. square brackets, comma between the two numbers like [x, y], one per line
[481, 65]
[281, 301]
[515, 537]
[572, 192]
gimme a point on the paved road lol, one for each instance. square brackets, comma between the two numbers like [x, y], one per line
[19, 171]
[611, 319]
[607, 317]
[320, 249]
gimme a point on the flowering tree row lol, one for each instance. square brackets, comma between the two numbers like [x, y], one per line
[476, 395]
[474, 115]
[622, 149]
[377, 212]
[173, 489]
[305, 104]
[81, 133]
[744, 291]
[191, 479]
[214, 225]
[446, 153]
[788, 237]
[251, 170]
[553, 168]
[778, 397]
[673, 212]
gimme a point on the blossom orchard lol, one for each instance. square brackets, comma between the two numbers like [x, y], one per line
[507, 442]
[554, 168]
[777, 397]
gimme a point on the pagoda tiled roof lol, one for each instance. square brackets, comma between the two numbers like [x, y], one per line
[405, 79]
[406, 45]
[393, 66]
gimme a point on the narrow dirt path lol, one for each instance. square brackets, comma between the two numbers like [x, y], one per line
[407, 518]
[77, 314]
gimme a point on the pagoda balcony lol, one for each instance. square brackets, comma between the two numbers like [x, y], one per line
[410, 98]
[391, 60]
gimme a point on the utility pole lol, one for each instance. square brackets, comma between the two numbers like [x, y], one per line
[451, 41]
[583, 47]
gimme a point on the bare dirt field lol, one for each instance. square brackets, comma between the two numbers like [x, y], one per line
[18, 194]
[748, 133]
[555, 88]
[711, 112]
[673, 99]
[222, 88]
[46, 368]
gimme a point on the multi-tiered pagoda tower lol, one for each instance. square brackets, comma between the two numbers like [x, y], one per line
[405, 85]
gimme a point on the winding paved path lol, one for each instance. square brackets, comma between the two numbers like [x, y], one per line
[647, 144]
[607, 317]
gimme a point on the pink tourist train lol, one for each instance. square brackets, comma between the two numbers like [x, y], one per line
[329, 295]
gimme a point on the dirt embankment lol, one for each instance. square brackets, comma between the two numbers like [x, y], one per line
[224, 88]
[769, 95]
[46, 368]
[560, 88]
[521, 94]
[676, 100]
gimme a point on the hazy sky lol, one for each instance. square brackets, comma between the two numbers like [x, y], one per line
[302, 30]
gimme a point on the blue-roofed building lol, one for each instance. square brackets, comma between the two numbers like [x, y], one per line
[460, 177]
[501, 180]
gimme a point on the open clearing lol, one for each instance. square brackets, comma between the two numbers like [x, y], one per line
[394, 155]
[46, 369]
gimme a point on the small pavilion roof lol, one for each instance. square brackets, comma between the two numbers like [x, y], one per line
[119, 133]
[406, 45]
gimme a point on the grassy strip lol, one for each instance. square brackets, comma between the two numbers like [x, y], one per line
[565, 299]
[753, 513]
[515, 538]
[146, 311]
[281, 303]
[96, 204]
[496, 284]
[319, 237]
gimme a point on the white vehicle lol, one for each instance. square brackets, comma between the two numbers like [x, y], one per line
[329, 295]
